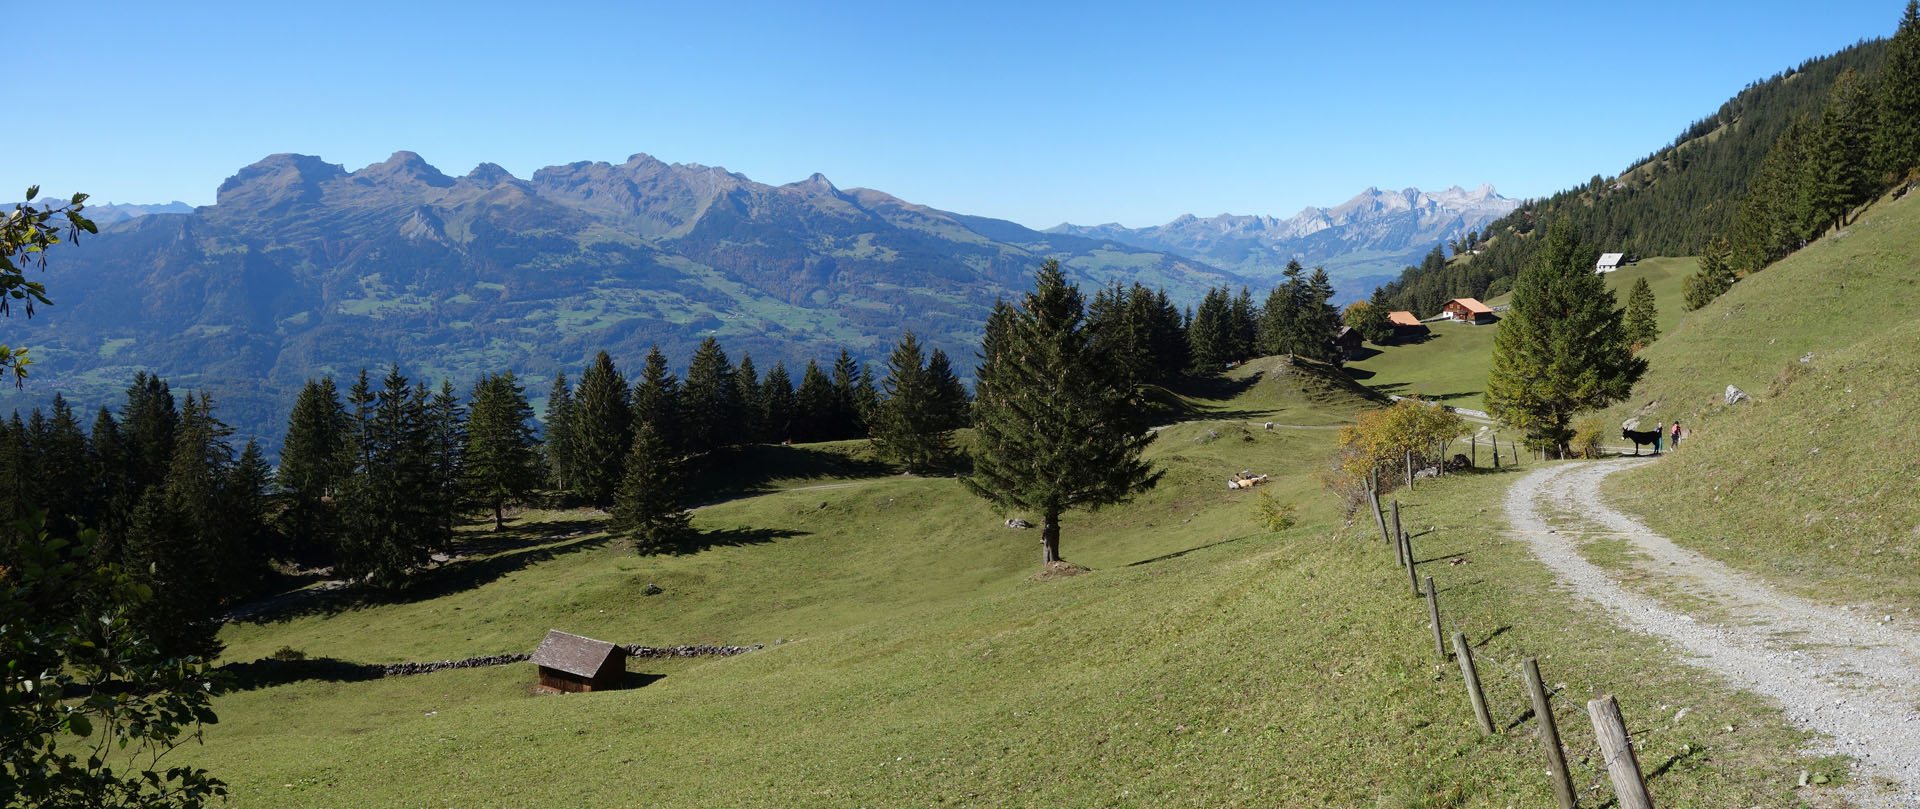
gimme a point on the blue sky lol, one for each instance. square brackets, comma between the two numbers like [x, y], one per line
[1082, 112]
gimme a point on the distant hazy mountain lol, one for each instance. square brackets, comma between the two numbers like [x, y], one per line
[303, 268]
[111, 212]
[1362, 242]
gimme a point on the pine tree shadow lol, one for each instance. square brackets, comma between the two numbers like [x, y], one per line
[269, 672]
[485, 560]
[698, 541]
[743, 471]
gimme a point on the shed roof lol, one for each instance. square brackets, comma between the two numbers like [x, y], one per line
[1610, 259]
[1472, 305]
[1403, 319]
[573, 654]
[1344, 331]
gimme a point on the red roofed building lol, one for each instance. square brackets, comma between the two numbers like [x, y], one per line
[1403, 320]
[1468, 310]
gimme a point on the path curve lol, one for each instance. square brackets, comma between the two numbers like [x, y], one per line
[1860, 691]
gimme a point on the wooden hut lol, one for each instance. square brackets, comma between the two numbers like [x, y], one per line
[570, 664]
[1405, 324]
[1468, 310]
[1348, 340]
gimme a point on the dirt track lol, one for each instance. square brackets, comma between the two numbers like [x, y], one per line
[1838, 671]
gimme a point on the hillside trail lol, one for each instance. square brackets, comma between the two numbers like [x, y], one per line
[1833, 669]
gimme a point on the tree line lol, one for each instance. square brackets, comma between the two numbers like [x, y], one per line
[1784, 156]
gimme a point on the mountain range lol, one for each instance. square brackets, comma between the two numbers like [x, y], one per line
[303, 268]
[1362, 242]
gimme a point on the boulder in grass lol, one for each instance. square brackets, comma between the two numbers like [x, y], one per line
[1735, 395]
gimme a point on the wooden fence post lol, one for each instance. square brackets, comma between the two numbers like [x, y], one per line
[1409, 470]
[1467, 672]
[1623, 768]
[1473, 446]
[1399, 553]
[1549, 736]
[1373, 496]
[1433, 616]
[1406, 542]
[1496, 450]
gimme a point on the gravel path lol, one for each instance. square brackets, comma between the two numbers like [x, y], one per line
[1838, 671]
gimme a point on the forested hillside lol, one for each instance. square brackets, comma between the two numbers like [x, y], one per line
[1834, 114]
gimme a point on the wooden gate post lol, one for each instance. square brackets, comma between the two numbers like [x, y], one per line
[1623, 768]
[1549, 736]
[1464, 654]
[1433, 617]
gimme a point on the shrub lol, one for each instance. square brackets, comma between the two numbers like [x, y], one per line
[1272, 514]
[1586, 438]
[289, 654]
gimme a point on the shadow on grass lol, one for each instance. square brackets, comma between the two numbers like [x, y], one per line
[735, 538]
[484, 559]
[750, 470]
[267, 673]
[1178, 554]
[635, 679]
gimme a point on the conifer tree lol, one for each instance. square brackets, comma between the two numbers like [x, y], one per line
[657, 400]
[602, 431]
[360, 399]
[66, 467]
[1896, 140]
[502, 465]
[648, 510]
[1211, 333]
[1166, 334]
[1840, 173]
[776, 405]
[112, 485]
[1715, 276]
[908, 423]
[746, 380]
[16, 481]
[447, 440]
[950, 403]
[1244, 332]
[391, 512]
[244, 496]
[558, 445]
[866, 399]
[1049, 417]
[1642, 318]
[816, 406]
[1562, 347]
[313, 461]
[148, 419]
[711, 404]
[845, 421]
[1321, 319]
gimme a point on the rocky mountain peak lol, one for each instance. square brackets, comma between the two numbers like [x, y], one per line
[403, 167]
[278, 180]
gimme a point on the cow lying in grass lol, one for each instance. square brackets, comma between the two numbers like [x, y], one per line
[1639, 437]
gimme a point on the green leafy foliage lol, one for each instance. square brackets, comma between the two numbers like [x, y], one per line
[88, 706]
[26, 233]
[648, 510]
[502, 460]
[1643, 316]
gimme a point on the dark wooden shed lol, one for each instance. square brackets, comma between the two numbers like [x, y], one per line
[1349, 341]
[570, 664]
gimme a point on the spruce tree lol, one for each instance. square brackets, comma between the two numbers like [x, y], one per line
[312, 465]
[1715, 276]
[908, 424]
[1896, 139]
[148, 419]
[1244, 329]
[246, 494]
[602, 431]
[648, 510]
[950, 405]
[447, 428]
[816, 406]
[502, 465]
[112, 485]
[558, 445]
[1562, 347]
[711, 404]
[1642, 318]
[66, 469]
[1320, 319]
[1050, 415]
[777, 405]
[1277, 320]
[845, 420]
[746, 380]
[1210, 335]
[1167, 340]
[1840, 174]
[391, 512]
[657, 400]
[866, 400]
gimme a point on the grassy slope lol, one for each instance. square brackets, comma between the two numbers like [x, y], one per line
[1451, 365]
[1201, 663]
[1811, 483]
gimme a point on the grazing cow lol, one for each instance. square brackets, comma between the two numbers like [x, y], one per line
[1639, 437]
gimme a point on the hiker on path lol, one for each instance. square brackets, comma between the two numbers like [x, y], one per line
[1659, 432]
[1676, 435]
